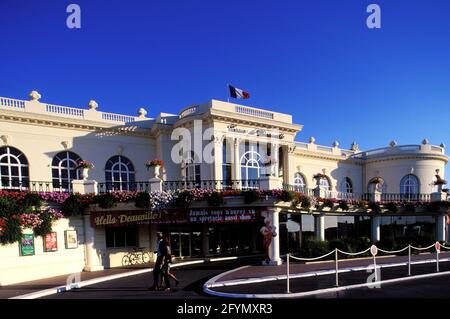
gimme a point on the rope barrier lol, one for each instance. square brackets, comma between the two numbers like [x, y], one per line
[393, 251]
[424, 248]
[336, 251]
[354, 254]
[311, 259]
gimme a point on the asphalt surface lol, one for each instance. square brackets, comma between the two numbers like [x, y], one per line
[191, 279]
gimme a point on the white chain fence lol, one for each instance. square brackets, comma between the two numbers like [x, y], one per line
[373, 250]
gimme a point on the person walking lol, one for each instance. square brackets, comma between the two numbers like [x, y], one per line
[161, 251]
[165, 271]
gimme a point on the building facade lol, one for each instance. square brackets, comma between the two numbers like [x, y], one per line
[216, 145]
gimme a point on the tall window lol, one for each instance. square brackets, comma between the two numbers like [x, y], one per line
[347, 185]
[325, 183]
[119, 173]
[192, 169]
[251, 165]
[64, 170]
[226, 164]
[13, 168]
[299, 183]
[409, 185]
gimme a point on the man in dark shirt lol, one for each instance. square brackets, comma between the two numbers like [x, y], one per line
[161, 252]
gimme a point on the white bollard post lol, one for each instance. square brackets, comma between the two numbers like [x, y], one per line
[375, 268]
[336, 264]
[437, 260]
[409, 260]
[287, 272]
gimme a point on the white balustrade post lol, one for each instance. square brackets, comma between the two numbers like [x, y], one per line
[287, 273]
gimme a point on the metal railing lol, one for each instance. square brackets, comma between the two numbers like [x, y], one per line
[108, 187]
[32, 186]
[384, 197]
[212, 184]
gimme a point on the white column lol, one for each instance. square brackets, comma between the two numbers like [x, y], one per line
[319, 227]
[274, 249]
[92, 258]
[375, 233]
[441, 227]
[275, 155]
[218, 161]
[236, 172]
[205, 240]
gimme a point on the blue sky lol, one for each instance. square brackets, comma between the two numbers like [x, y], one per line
[315, 59]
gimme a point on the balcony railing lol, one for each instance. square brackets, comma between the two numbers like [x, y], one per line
[384, 197]
[107, 187]
[212, 184]
[144, 186]
[32, 186]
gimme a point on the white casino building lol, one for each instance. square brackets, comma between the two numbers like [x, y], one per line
[41, 144]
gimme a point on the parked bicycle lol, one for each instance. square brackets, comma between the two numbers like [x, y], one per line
[136, 257]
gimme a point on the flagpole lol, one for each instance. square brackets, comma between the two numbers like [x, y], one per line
[228, 92]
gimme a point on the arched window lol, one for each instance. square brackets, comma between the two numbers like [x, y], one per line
[192, 169]
[299, 183]
[409, 185]
[347, 185]
[64, 170]
[13, 168]
[251, 166]
[119, 173]
[325, 183]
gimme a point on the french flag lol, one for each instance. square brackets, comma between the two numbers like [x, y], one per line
[238, 93]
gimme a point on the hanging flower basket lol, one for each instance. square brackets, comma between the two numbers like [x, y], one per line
[155, 162]
[376, 180]
[85, 164]
[439, 181]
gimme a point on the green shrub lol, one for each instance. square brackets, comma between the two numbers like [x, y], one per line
[13, 231]
[31, 202]
[306, 202]
[73, 205]
[287, 196]
[45, 227]
[250, 196]
[343, 205]
[375, 207]
[106, 201]
[8, 206]
[142, 200]
[328, 203]
[340, 244]
[184, 199]
[391, 207]
[215, 199]
[314, 248]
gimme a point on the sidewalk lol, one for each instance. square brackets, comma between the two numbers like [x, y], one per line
[51, 283]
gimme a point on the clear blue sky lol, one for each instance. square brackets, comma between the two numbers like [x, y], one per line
[315, 59]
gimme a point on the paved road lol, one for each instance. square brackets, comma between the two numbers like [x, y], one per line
[135, 287]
